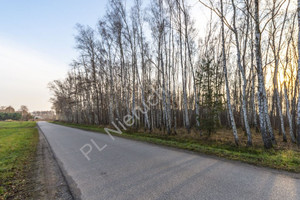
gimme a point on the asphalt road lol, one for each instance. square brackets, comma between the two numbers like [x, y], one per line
[127, 169]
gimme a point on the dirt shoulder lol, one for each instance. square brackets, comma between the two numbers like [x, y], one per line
[49, 183]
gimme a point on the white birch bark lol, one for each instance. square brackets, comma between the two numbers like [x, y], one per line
[111, 92]
[253, 85]
[232, 121]
[267, 116]
[287, 102]
[289, 114]
[242, 71]
[261, 93]
[183, 70]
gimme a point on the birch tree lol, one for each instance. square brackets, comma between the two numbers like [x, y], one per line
[228, 97]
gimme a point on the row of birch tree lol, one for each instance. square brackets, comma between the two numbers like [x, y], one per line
[241, 72]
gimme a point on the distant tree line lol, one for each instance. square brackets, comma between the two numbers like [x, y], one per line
[12, 116]
[45, 115]
[9, 113]
[243, 73]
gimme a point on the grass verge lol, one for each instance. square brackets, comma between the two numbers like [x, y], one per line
[283, 159]
[18, 142]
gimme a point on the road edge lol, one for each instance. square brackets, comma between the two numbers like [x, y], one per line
[73, 193]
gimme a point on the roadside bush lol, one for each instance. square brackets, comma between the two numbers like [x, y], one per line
[12, 116]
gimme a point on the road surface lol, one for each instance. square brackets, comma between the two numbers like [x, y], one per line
[126, 169]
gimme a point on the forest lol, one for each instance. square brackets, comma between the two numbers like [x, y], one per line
[241, 74]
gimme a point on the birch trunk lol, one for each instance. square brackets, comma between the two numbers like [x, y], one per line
[253, 86]
[183, 70]
[261, 95]
[232, 121]
[267, 116]
[142, 84]
[242, 71]
[111, 93]
[287, 102]
[277, 57]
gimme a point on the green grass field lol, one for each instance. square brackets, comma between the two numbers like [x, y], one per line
[283, 159]
[18, 143]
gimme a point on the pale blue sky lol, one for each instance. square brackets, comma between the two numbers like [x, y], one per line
[37, 45]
